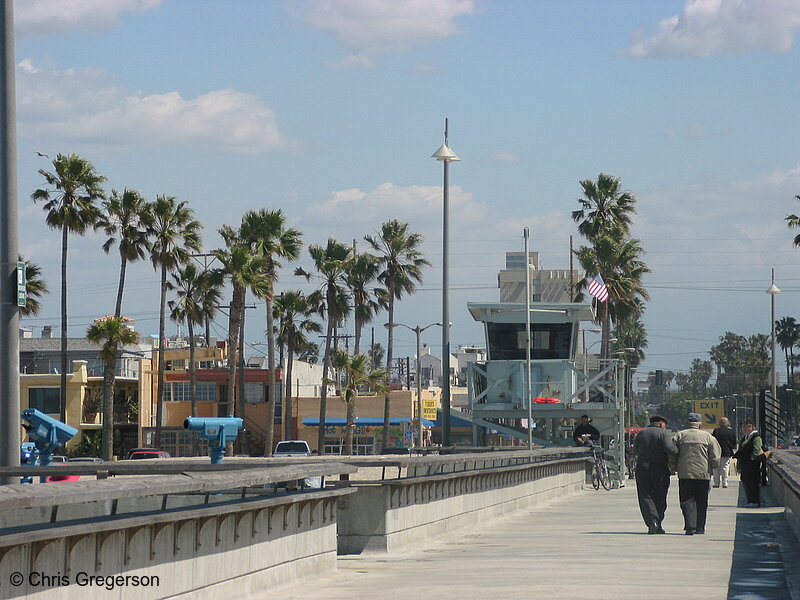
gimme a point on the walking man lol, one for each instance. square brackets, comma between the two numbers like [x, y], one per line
[726, 437]
[698, 455]
[652, 447]
[748, 459]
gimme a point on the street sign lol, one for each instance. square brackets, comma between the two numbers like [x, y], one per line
[21, 282]
[710, 411]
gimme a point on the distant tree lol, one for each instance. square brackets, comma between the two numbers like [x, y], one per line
[112, 334]
[362, 272]
[357, 373]
[376, 353]
[794, 221]
[604, 205]
[695, 381]
[310, 353]
[743, 363]
[402, 262]
[35, 288]
[69, 201]
[787, 334]
[126, 219]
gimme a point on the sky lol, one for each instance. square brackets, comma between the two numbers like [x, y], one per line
[330, 110]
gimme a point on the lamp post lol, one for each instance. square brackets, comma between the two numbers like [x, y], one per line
[772, 290]
[446, 156]
[417, 330]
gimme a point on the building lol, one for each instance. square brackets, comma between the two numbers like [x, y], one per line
[547, 285]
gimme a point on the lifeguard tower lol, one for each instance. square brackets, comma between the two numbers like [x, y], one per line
[556, 386]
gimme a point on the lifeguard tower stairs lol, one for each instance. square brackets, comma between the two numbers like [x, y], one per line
[562, 385]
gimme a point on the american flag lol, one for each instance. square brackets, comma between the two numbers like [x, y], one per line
[598, 289]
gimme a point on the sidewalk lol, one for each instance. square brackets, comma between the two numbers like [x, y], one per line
[590, 545]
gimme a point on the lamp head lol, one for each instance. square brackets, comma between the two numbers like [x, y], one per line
[444, 154]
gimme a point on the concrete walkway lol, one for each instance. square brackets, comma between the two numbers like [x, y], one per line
[590, 545]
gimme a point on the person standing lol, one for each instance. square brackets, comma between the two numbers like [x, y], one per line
[726, 437]
[748, 460]
[652, 448]
[698, 455]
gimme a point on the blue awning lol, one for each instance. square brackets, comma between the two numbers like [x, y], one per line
[365, 421]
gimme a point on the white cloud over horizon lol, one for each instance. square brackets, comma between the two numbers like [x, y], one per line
[37, 17]
[707, 28]
[88, 106]
[367, 28]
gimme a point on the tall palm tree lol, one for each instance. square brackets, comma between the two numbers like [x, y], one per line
[35, 288]
[269, 238]
[618, 260]
[357, 373]
[174, 235]
[604, 204]
[794, 221]
[198, 292]
[787, 334]
[69, 202]
[402, 262]
[113, 334]
[244, 270]
[362, 272]
[128, 216]
[330, 262]
[294, 311]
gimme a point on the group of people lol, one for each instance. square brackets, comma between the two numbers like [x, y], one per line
[697, 456]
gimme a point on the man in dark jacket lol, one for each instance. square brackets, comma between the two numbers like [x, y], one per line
[585, 430]
[727, 442]
[652, 446]
[749, 458]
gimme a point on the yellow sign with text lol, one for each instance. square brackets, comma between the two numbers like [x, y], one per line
[710, 411]
[429, 408]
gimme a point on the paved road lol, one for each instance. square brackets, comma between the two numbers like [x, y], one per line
[590, 545]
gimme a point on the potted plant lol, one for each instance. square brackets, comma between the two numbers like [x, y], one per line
[92, 405]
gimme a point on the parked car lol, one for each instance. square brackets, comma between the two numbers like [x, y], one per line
[292, 448]
[141, 453]
[85, 459]
[58, 459]
[400, 450]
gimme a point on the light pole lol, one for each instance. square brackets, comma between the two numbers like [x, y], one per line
[445, 155]
[773, 290]
[417, 330]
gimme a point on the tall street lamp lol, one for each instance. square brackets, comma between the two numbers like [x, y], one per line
[445, 155]
[773, 290]
[417, 330]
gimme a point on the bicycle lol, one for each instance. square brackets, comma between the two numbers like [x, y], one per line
[600, 473]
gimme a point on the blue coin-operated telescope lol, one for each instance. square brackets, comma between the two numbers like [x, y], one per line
[47, 433]
[28, 455]
[218, 431]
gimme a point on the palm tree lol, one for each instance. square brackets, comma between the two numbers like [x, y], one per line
[198, 293]
[269, 238]
[112, 333]
[243, 270]
[794, 221]
[35, 288]
[618, 260]
[70, 206]
[129, 216]
[294, 311]
[402, 263]
[604, 205]
[357, 373]
[362, 271]
[330, 262]
[630, 333]
[174, 234]
[787, 334]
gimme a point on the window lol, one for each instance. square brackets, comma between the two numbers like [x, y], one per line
[362, 445]
[179, 443]
[45, 400]
[548, 340]
[180, 391]
[254, 392]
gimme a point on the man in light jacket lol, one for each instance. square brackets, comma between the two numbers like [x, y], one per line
[698, 455]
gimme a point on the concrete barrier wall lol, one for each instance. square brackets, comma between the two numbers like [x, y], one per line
[395, 515]
[227, 550]
[785, 483]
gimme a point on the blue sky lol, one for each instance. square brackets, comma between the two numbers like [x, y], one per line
[330, 110]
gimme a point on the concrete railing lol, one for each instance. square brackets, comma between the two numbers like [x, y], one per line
[785, 483]
[444, 493]
[190, 535]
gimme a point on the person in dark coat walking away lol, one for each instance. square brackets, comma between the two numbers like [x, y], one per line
[652, 448]
[726, 437]
[748, 461]
[698, 456]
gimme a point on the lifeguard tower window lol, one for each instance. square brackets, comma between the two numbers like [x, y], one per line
[548, 340]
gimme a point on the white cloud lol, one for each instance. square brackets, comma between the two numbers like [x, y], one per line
[709, 27]
[87, 106]
[370, 27]
[33, 17]
[505, 156]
